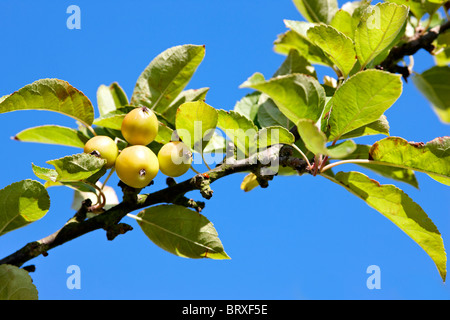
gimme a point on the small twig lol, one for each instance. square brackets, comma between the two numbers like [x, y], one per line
[421, 40]
[107, 178]
[110, 219]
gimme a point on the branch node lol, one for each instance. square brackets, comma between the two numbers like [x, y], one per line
[117, 229]
[170, 182]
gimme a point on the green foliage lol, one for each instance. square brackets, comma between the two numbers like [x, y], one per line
[434, 84]
[195, 123]
[432, 158]
[298, 96]
[53, 134]
[336, 45]
[181, 231]
[51, 95]
[166, 76]
[110, 98]
[22, 203]
[317, 10]
[16, 284]
[361, 100]
[399, 208]
[378, 30]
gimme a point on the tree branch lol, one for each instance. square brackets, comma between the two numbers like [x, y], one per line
[421, 40]
[132, 200]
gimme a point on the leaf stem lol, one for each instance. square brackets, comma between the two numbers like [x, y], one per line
[89, 128]
[301, 152]
[334, 164]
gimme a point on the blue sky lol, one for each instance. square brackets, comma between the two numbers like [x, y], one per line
[301, 238]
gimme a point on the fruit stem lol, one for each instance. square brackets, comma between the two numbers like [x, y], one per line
[107, 178]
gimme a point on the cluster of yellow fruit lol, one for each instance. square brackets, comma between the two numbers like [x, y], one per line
[137, 165]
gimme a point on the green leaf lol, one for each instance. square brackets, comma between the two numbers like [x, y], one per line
[113, 119]
[195, 123]
[44, 173]
[298, 96]
[110, 98]
[273, 135]
[418, 7]
[434, 84]
[240, 130]
[337, 45]
[296, 39]
[269, 114]
[51, 178]
[361, 100]
[166, 76]
[441, 53]
[399, 174]
[315, 140]
[248, 106]
[378, 30]
[182, 232]
[22, 203]
[342, 21]
[53, 134]
[317, 10]
[398, 207]
[165, 134]
[51, 95]
[432, 158]
[16, 284]
[217, 144]
[380, 126]
[77, 167]
[295, 63]
[185, 96]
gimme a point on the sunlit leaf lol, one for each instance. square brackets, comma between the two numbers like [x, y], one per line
[195, 123]
[399, 208]
[378, 29]
[22, 203]
[52, 134]
[298, 96]
[166, 76]
[337, 45]
[361, 100]
[432, 158]
[110, 98]
[182, 232]
[51, 95]
[434, 84]
[317, 10]
[315, 140]
[240, 130]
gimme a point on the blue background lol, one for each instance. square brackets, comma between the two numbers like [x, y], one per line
[301, 238]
